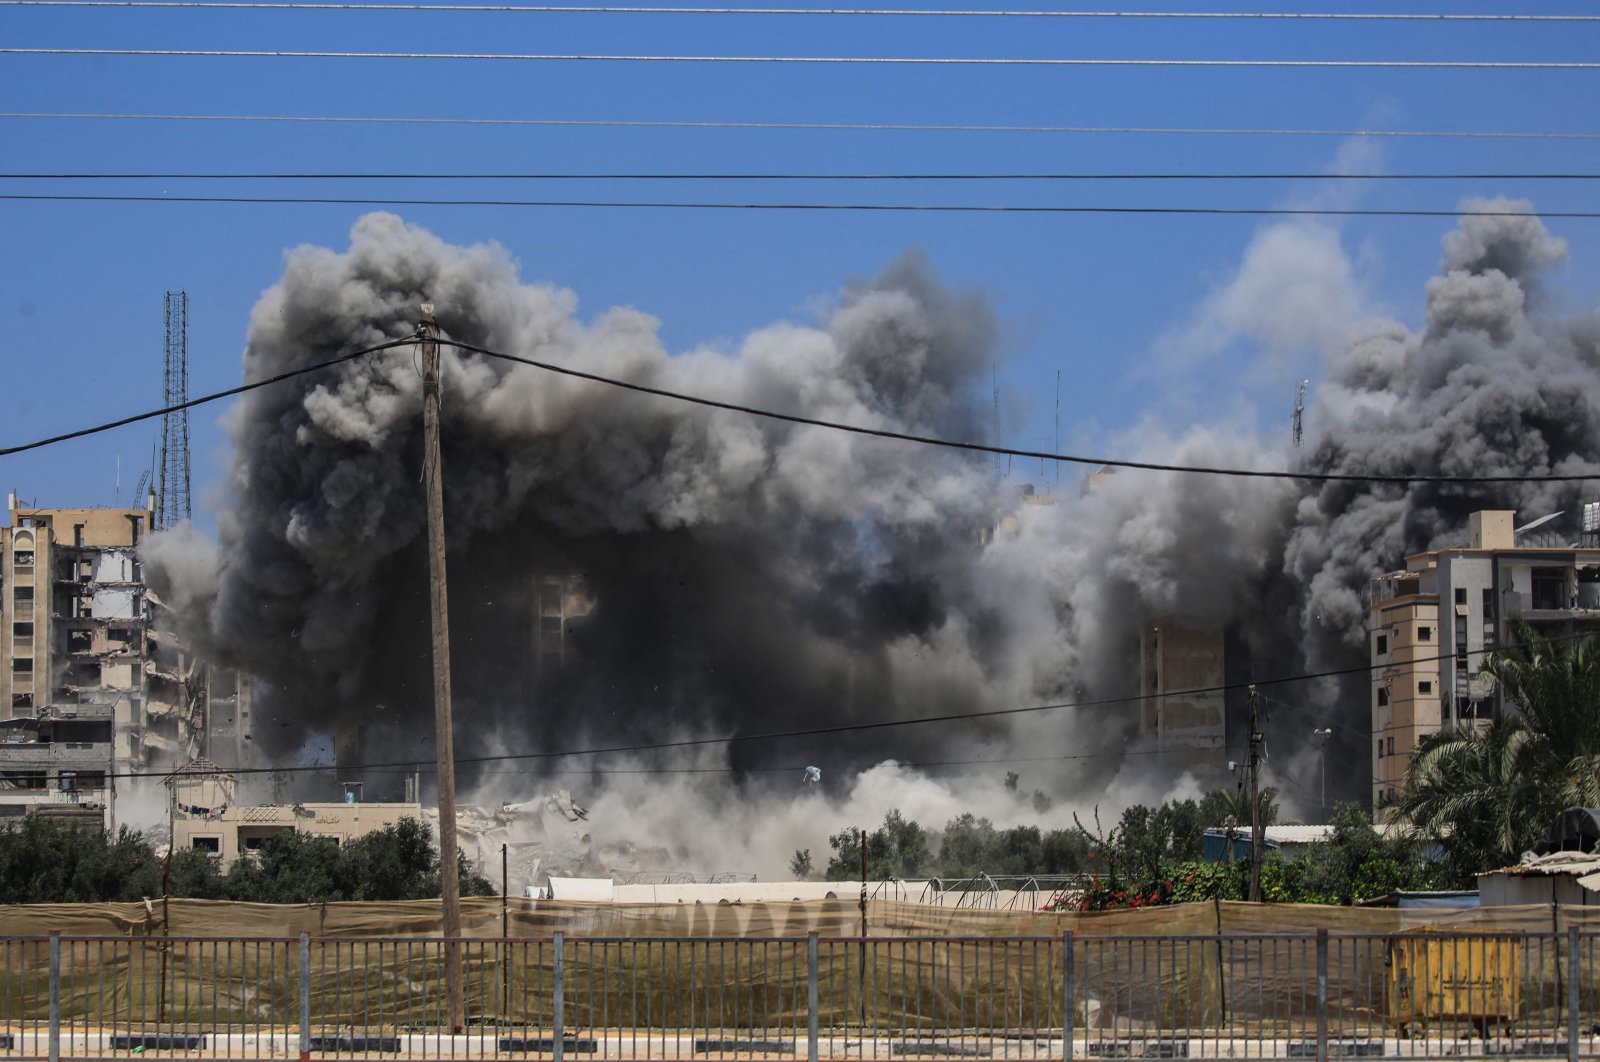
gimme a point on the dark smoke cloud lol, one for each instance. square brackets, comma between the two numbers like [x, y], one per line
[754, 576]
[749, 574]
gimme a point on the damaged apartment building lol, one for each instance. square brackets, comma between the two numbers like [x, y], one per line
[91, 686]
[1430, 624]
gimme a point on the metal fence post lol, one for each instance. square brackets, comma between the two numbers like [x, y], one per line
[55, 996]
[1068, 991]
[1572, 993]
[812, 1017]
[305, 996]
[1322, 995]
[558, 972]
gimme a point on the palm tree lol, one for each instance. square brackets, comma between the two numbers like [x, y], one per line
[1556, 686]
[1476, 792]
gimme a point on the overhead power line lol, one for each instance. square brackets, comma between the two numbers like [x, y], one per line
[792, 418]
[833, 60]
[924, 208]
[869, 127]
[197, 175]
[1076, 459]
[864, 726]
[833, 12]
[9, 451]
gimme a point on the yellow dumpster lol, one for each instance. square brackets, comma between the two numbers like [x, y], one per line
[1454, 980]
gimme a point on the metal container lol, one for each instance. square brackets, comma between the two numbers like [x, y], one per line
[1454, 980]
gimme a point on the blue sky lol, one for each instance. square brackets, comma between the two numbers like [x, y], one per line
[1140, 315]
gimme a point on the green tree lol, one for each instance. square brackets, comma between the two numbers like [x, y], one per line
[44, 860]
[1479, 793]
[1217, 806]
[800, 866]
[1556, 687]
[897, 849]
[288, 867]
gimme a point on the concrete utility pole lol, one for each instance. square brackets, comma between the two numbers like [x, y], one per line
[1257, 827]
[433, 476]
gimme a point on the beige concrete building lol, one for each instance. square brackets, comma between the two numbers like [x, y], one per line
[1190, 726]
[89, 686]
[206, 815]
[1430, 624]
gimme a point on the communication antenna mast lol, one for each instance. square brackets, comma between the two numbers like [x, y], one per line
[172, 496]
[1299, 412]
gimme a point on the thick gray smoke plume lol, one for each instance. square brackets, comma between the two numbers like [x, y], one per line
[747, 574]
[1494, 384]
[750, 575]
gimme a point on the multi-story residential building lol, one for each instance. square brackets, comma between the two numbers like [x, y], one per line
[89, 688]
[1430, 624]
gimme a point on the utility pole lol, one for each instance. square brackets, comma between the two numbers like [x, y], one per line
[433, 476]
[1257, 827]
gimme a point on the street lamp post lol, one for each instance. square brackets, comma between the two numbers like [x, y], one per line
[1323, 732]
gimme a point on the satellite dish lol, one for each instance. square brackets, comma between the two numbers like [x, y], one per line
[1537, 523]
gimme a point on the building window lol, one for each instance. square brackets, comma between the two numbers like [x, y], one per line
[1425, 686]
[1383, 696]
[1461, 595]
[210, 845]
[1424, 634]
[1380, 748]
[1391, 746]
[1383, 644]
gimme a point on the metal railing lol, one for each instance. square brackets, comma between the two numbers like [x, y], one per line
[1314, 996]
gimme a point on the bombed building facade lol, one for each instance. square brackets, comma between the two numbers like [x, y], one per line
[92, 685]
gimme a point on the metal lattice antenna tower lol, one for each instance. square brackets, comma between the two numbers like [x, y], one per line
[1299, 413]
[172, 498]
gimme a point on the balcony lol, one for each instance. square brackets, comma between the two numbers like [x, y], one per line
[1552, 604]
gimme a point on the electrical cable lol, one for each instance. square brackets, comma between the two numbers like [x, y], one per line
[834, 176]
[9, 451]
[1006, 451]
[881, 433]
[612, 9]
[887, 208]
[854, 728]
[872, 127]
[829, 60]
